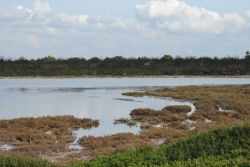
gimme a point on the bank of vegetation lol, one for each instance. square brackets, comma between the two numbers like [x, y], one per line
[223, 147]
[120, 66]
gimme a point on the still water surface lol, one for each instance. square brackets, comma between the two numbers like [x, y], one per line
[96, 98]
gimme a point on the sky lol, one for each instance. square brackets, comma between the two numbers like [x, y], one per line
[130, 28]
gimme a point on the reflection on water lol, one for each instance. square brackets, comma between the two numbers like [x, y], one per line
[6, 147]
[96, 98]
[127, 99]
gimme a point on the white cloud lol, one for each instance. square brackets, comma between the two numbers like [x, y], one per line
[42, 9]
[176, 15]
[42, 27]
[168, 15]
[43, 16]
[85, 21]
[24, 10]
[20, 12]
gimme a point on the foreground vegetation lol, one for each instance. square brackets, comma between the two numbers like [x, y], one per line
[118, 65]
[223, 147]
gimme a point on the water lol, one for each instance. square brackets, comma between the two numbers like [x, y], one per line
[96, 98]
[6, 147]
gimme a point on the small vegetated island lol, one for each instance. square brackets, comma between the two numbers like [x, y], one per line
[120, 66]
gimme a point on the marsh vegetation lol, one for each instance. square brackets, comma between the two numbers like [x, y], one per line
[216, 107]
[36, 137]
[223, 147]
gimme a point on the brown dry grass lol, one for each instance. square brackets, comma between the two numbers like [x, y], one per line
[44, 135]
[169, 116]
[112, 143]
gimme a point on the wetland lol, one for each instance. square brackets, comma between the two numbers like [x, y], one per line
[62, 120]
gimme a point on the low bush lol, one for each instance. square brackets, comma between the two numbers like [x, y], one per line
[14, 161]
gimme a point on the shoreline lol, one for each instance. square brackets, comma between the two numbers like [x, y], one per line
[122, 76]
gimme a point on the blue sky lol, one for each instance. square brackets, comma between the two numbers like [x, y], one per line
[132, 28]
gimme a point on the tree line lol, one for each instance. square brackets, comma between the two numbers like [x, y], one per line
[118, 65]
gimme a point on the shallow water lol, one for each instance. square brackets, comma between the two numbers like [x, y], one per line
[6, 147]
[96, 98]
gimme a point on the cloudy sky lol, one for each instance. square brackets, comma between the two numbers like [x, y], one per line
[131, 28]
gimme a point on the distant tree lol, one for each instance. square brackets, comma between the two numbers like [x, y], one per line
[48, 58]
[167, 57]
[118, 58]
[76, 60]
[22, 60]
[107, 59]
[1, 59]
[247, 56]
[94, 60]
